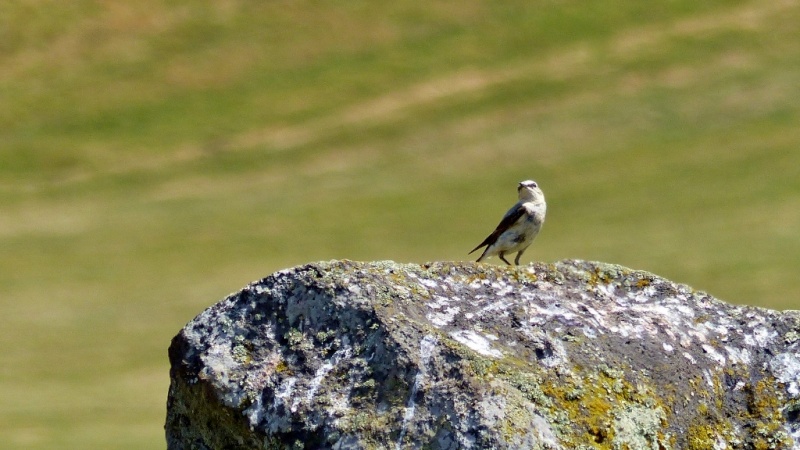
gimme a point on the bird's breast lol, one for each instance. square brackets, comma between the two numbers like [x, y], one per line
[535, 212]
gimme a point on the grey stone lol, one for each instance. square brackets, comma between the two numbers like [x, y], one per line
[445, 356]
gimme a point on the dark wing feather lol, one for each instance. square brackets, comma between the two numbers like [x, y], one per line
[511, 217]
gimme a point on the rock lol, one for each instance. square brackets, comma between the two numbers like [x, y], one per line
[572, 355]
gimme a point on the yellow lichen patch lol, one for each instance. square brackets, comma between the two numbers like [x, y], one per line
[702, 318]
[761, 411]
[609, 272]
[578, 408]
[281, 367]
[593, 412]
[598, 402]
[475, 277]
[764, 410]
[701, 437]
[522, 276]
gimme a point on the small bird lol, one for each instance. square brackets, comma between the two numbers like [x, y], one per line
[519, 226]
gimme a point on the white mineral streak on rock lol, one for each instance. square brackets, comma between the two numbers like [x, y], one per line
[719, 328]
[475, 284]
[476, 342]
[442, 318]
[607, 290]
[540, 314]
[669, 332]
[785, 367]
[496, 307]
[559, 356]
[438, 302]
[761, 336]
[795, 434]
[254, 412]
[738, 355]
[698, 335]
[685, 310]
[709, 379]
[219, 362]
[505, 290]
[429, 283]
[426, 347]
[284, 391]
[442, 313]
[685, 341]
[354, 288]
[713, 354]
[321, 373]
[597, 318]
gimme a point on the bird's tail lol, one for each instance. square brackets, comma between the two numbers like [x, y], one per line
[486, 242]
[483, 255]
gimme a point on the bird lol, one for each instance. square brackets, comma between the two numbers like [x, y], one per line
[519, 225]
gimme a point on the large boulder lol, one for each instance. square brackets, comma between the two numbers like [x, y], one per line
[571, 355]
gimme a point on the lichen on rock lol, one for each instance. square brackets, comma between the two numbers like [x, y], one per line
[571, 355]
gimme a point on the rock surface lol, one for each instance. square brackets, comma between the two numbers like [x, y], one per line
[571, 355]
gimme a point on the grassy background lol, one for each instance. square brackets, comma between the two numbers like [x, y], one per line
[155, 156]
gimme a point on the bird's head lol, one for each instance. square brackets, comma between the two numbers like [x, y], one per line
[528, 190]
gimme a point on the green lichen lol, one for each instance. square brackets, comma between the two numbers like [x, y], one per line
[791, 337]
[298, 341]
[530, 385]
[761, 412]
[516, 421]
[605, 410]
[638, 427]
[241, 354]
[324, 335]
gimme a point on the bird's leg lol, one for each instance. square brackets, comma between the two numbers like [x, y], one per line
[502, 256]
[516, 260]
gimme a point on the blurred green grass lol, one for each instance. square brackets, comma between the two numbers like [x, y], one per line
[155, 156]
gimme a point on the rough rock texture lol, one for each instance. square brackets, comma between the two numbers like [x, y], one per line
[572, 355]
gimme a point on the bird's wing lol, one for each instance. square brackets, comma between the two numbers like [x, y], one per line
[511, 217]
